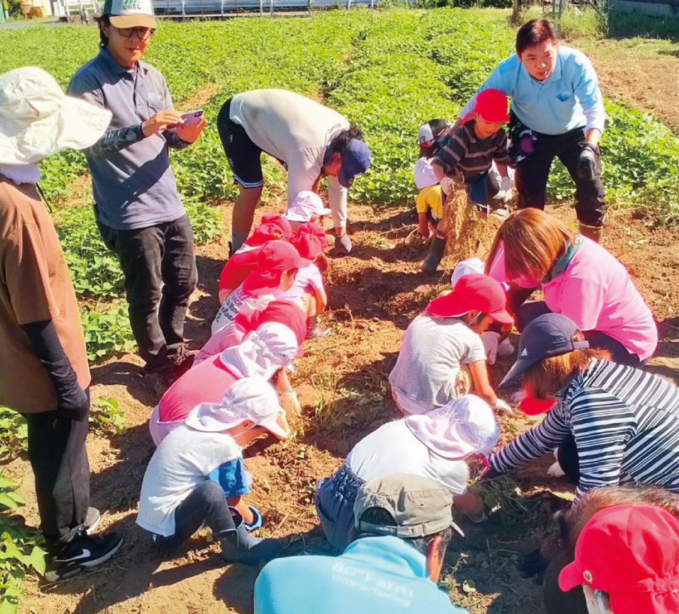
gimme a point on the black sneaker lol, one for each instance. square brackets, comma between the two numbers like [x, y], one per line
[83, 552]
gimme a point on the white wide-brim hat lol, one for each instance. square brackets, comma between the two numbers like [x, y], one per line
[272, 346]
[37, 120]
[250, 398]
[463, 427]
[306, 206]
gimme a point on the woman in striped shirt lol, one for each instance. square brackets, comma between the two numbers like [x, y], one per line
[612, 424]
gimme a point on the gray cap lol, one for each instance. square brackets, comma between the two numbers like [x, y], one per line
[418, 505]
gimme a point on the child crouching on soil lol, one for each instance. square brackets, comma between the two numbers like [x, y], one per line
[467, 155]
[197, 474]
[277, 265]
[263, 352]
[308, 291]
[241, 264]
[442, 355]
[437, 445]
[279, 312]
[430, 198]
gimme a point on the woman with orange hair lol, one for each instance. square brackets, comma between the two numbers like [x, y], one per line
[579, 278]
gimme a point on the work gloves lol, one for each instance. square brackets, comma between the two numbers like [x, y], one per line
[588, 163]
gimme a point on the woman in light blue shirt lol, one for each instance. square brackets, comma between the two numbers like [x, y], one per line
[557, 111]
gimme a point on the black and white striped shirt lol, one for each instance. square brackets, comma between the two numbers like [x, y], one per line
[626, 427]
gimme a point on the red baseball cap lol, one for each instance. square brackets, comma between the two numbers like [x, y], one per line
[310, 241]
[266, 232]
[280, 222]
[492, 106]
[533, 407]
[473, 292]
[630, 552]
[275, 257]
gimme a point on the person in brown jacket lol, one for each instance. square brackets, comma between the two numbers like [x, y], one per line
[43, 361]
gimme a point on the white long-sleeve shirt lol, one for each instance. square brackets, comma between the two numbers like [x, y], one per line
[297, 131]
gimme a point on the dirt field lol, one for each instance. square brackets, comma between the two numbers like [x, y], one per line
[342, 381]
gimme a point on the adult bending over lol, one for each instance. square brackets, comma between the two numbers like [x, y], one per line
[140, 215]
[557, 112]
[311, 140]
[613, 424]
[579, 279]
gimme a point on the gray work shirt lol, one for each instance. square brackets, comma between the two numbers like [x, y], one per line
[134, 186]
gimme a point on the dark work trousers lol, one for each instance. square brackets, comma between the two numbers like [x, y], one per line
[206, 504]
[532, 175]
[567, 455]
[160, 275]
[56, 449]
[597, 340]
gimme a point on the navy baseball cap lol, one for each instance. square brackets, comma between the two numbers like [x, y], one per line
[355, 161]
[548, 335]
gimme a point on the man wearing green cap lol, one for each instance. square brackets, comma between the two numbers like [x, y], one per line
[139, 212]
[403, 526]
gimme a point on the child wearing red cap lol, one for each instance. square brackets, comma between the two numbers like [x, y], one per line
[308, 291]
[277, 265]
[240, 264]
[442, 343]
[627, 561]
[468, 155]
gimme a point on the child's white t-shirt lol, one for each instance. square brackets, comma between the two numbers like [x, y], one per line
[181, 462]
[237, 302]
[393, 448]
[310, 277]
[427, 368]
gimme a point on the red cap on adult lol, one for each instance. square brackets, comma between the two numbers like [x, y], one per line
[632, 553]
[473, 292]
[492, 106]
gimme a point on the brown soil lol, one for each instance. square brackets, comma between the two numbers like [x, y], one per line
[342, 381]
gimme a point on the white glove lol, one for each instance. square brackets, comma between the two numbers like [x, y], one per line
[491, 341]
[556, 471]
[506, 184]
[503, 408]
[446, 185]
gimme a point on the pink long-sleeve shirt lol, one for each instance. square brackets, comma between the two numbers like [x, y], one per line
[597, 293]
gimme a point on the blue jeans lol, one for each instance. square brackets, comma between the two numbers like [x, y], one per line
[335, 498]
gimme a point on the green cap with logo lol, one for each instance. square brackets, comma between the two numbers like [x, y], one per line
[130, 13]
[418, 505]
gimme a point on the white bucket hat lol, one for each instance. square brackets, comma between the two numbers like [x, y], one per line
[37, 120]
[250, 398]
[466, 267]
[262, 352]
[306, 206]
[424, 174]
[463, 427]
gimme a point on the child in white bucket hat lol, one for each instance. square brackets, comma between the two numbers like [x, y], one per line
[436, 445]
[197, 474]
[306, 207]
[261, 353]
[43, 358]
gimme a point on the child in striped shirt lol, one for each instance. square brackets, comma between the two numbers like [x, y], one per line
[467, 155]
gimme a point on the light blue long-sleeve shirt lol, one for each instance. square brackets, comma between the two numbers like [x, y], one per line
[380, 575]
[569, 99]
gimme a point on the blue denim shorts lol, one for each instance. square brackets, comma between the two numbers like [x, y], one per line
[335, 498]
[232, 477]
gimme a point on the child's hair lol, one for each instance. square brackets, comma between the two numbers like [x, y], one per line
[573, 521]
[291, 272]
[535, 32]
[533, 242]
[550, 375]
[438, 126]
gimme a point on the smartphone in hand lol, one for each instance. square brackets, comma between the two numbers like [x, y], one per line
[192, 117]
